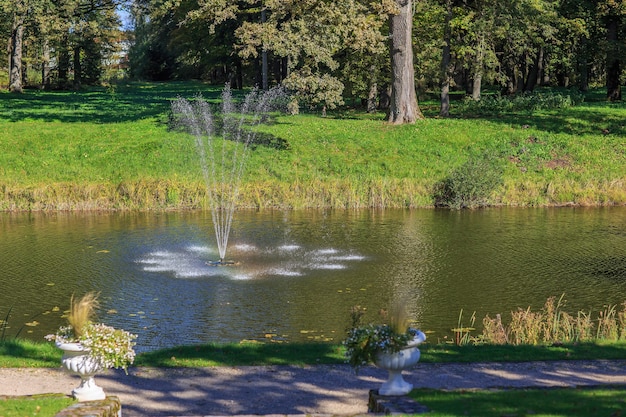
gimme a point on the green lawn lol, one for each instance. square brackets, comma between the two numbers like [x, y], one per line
[24, 353]
[46, 405]
[551, 402]
[605, 401]
[112, 148]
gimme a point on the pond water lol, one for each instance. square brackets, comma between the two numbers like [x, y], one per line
[297, 274]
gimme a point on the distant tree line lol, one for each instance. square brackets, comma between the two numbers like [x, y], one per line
[373, 53]
[58, 43]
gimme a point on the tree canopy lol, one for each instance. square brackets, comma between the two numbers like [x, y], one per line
[327, 52]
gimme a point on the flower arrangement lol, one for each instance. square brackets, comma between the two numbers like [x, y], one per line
[109, 347]
[365, 342]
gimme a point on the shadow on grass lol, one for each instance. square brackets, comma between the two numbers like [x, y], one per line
[123, 103]
[18, 353]
[243, 354]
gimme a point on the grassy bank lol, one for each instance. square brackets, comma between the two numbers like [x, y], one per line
[22, 353]
[112, 149]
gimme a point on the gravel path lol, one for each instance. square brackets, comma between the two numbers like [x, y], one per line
[282, 390]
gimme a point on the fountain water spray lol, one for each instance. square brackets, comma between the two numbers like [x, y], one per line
[222, 158]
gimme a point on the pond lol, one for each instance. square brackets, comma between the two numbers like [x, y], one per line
[297, 274]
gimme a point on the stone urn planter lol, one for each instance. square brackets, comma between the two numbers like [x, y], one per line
[395, 363]
[76, 360]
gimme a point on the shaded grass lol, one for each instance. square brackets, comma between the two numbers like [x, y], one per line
[111, 149]
[243, 354]
[23, 353]
[570, 402]
[46, 405]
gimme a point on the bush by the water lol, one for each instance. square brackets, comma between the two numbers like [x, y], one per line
[470, 185]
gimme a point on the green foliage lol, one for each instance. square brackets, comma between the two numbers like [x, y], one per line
[530, 101]
[470, 185]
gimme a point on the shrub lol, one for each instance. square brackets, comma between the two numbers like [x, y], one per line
[470, 185]
[527, 101]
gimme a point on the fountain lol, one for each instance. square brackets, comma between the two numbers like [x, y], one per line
[222, 157]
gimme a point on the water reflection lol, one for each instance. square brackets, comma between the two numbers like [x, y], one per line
[298, 273]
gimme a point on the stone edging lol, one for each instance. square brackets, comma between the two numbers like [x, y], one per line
[109, 407]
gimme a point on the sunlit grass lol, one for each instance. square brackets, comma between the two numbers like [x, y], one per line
[553, 402]
[112, 148]
[47, 405]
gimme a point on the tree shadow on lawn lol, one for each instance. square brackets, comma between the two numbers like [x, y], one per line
[125, 103]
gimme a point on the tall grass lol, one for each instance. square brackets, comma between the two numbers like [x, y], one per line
[550, 325]
[112, 149]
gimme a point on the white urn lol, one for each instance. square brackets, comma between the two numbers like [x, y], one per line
[395, 363]
[77, 361]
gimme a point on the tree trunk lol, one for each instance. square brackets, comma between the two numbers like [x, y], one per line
[478, 69]
[15, 55]
[477, 86]
[264, 65]
[64, 61]
[446, 58]
[45, 64]
[372, 96]
[613, 69]
[78, 69]
[534, 71]
[403, 106]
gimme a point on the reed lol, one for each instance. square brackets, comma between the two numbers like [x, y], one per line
[82, 311]
[550, 325]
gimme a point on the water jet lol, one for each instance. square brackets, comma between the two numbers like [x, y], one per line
[222, 157]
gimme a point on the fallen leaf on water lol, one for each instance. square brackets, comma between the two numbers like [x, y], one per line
[32, 323]
[103, 251]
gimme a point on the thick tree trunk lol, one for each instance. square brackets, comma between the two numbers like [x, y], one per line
[404, 107]
[446, 58]
[534, 71]
[15, 55]
[613, 68]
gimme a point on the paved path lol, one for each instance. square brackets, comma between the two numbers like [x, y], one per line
[322, 389]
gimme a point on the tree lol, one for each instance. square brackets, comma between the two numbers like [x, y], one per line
[308, 37]
[403, 106]
[613, 12]
[18, 10]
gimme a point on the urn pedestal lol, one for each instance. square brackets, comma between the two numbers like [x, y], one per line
[395, 363]
[76, 360]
